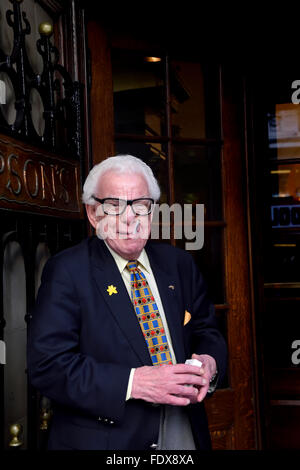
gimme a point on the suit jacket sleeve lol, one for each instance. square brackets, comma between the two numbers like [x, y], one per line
[56, 366]
[206, 337]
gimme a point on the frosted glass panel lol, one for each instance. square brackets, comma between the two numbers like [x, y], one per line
[42, 255]
[35, 14]
[14, 302]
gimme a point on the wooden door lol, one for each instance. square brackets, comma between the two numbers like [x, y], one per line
[186, 120]
[42, 150]
[275, 169]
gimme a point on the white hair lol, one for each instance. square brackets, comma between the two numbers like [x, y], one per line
[119, 164]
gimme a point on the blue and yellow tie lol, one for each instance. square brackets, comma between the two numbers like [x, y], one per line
[148, 316]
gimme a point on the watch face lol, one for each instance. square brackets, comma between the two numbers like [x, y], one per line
[213, 383]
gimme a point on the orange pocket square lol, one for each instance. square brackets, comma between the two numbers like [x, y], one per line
[187, 317]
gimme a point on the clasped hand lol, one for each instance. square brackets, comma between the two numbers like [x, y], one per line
[179, 384]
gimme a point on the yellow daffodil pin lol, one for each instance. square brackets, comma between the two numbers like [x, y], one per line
[112, 290]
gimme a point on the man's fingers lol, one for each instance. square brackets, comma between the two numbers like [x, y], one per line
[184, 391]
[187, 369]
[202, 394]
[178, 401]
[191, 379]
[175, 385]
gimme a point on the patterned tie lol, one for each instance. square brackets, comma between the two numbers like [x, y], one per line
[148, 316]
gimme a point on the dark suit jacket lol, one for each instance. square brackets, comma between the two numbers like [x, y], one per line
[83, 343]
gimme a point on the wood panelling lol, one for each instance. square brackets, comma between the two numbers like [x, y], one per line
[37, 181]
[101, 94]
[284, 383]
[236, 261]
[220, 409]
[220, 413]
[223, 439]
[281, 419]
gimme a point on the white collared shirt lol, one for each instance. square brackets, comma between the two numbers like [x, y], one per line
[144, 264]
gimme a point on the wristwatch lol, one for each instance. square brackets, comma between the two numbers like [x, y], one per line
[213, 383]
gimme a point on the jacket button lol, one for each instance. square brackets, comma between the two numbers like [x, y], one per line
[153, 446]
[111, 422]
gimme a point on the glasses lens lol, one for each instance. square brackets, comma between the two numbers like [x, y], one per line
[142, 206]
[113, 206]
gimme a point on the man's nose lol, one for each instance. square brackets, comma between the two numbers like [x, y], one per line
[128, 215]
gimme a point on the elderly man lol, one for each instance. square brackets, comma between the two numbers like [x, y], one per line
[115, 320]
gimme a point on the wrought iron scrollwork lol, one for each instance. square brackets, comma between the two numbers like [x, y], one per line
[60, 95]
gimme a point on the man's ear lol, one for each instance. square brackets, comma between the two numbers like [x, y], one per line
[91, 213]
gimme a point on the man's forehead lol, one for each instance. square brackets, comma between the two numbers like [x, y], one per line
[121, 175]
[120, 183]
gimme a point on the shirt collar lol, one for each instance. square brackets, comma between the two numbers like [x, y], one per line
[144, 261]
[121, 263]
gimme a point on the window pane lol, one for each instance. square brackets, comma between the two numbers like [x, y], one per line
[194, 100]
[155, 155]
[197, 174]
[282, 246]
[281, 327]
[282, 258]
[284, 131]
[138, 87]
[285, 186]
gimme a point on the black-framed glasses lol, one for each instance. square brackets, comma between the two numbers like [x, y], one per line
[115, 206]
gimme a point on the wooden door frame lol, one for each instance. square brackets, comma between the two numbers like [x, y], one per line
[238, 285]
[231, 411]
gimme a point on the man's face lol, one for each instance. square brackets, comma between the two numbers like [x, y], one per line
[126, 233]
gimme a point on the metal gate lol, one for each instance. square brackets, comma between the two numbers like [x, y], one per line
[41, 167]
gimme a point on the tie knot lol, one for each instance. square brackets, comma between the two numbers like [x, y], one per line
[132, 265]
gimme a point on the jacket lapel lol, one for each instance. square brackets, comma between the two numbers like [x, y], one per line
[106, 273]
